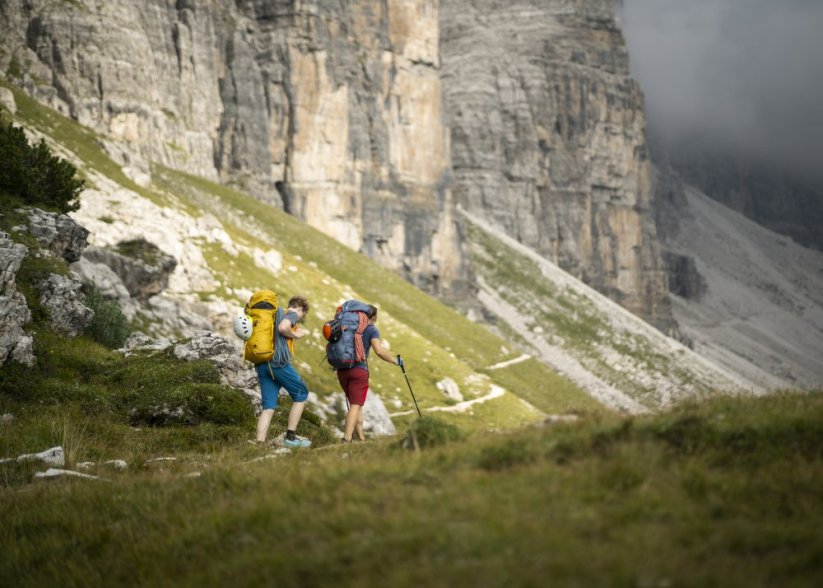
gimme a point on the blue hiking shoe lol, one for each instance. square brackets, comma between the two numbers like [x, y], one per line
[296, 443]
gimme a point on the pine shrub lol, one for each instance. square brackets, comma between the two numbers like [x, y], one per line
[33, 174]
[430, 432]
[109, 327]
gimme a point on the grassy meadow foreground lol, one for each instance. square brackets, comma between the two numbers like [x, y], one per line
[721, 493]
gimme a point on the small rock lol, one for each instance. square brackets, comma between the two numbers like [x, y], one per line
[53, 456]
[160, 459]
[56, 472]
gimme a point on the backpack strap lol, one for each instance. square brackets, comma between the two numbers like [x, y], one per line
[359, 347]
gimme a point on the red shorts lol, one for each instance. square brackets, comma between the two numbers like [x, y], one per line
[355, 383]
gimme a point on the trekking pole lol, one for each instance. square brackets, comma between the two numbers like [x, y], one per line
[403, 367]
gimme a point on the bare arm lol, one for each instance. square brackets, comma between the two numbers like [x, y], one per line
[382, 353]
[285, 329]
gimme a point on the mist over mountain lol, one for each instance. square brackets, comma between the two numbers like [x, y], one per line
[732, 97]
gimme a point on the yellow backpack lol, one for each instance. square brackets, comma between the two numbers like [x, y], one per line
[262, 308]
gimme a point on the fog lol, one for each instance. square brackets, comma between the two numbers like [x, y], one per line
[743, 74]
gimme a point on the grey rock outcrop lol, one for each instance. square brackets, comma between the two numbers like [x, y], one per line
[138, 341]
[331, 110]
[144, 271]
[109, 284]
[547, 133]
[62, 299]
[376, 420]
[57, 234]
[224, 355]
[371, 120]
[15, 343]
[7, 100]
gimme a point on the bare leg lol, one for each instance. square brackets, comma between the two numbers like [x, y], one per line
[263, 422]
[351, 420]
[294, 415]
[358, 428]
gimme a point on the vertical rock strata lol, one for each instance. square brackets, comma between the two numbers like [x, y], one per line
[330, 109]
[547, 139]
[341, 112]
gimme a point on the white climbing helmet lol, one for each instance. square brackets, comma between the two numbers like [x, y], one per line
[243, 326]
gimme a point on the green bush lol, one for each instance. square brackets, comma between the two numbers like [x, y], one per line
[190, 404]
[430, 432]
[109, 327]
[33, 174]
[507, 453]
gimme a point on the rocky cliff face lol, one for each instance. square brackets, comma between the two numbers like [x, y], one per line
[334, 110]
[331, 109]
[548, 143]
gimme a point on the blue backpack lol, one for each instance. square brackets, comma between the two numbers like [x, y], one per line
[344, 333]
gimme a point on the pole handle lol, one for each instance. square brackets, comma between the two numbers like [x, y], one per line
[401, 363]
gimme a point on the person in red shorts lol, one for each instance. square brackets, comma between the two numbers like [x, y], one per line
[355, 381]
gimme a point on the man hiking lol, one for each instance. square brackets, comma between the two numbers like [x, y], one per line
[355, 380]
[278, 372]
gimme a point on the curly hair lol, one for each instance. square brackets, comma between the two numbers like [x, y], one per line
[299, 302]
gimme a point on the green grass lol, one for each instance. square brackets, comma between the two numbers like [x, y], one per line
[724, 493]
[720, 493]
[451, 345]
[78, 139]
[444, 344]
[627, 360]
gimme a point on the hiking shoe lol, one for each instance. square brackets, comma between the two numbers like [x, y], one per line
[296, 443]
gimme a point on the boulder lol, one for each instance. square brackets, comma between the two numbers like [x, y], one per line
[138, 341]
[7, 100]
[57, 234]
[142, 267]
[14, 313]
[224, 354]
[450, 388]
[62, 299]
[109, 284]
[167, 315]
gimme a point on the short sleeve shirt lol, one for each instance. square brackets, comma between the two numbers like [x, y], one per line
[292, 317]
[369, 333]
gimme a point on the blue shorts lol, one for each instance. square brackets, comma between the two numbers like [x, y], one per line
[271, 379]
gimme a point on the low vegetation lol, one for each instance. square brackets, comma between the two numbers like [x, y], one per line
[34, 175]
[109, 326]
[722, 493]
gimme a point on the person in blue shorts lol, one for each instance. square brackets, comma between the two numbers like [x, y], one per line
[279, 373]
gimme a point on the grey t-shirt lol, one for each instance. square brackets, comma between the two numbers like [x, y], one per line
[292, 317]
[282, 354]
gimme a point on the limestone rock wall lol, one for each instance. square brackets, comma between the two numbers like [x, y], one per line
[547, 139]
[371, 119]
[331, 109]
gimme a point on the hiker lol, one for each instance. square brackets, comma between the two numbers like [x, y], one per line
[355, 380]
[278, 372]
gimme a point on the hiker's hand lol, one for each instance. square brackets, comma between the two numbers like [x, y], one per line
[299, 332]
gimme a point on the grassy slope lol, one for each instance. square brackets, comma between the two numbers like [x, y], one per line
[627, 360]
[724, 493]
[720, 494]
[447, 343]
[444, 344]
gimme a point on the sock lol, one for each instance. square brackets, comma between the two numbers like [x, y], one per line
[290, 435]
